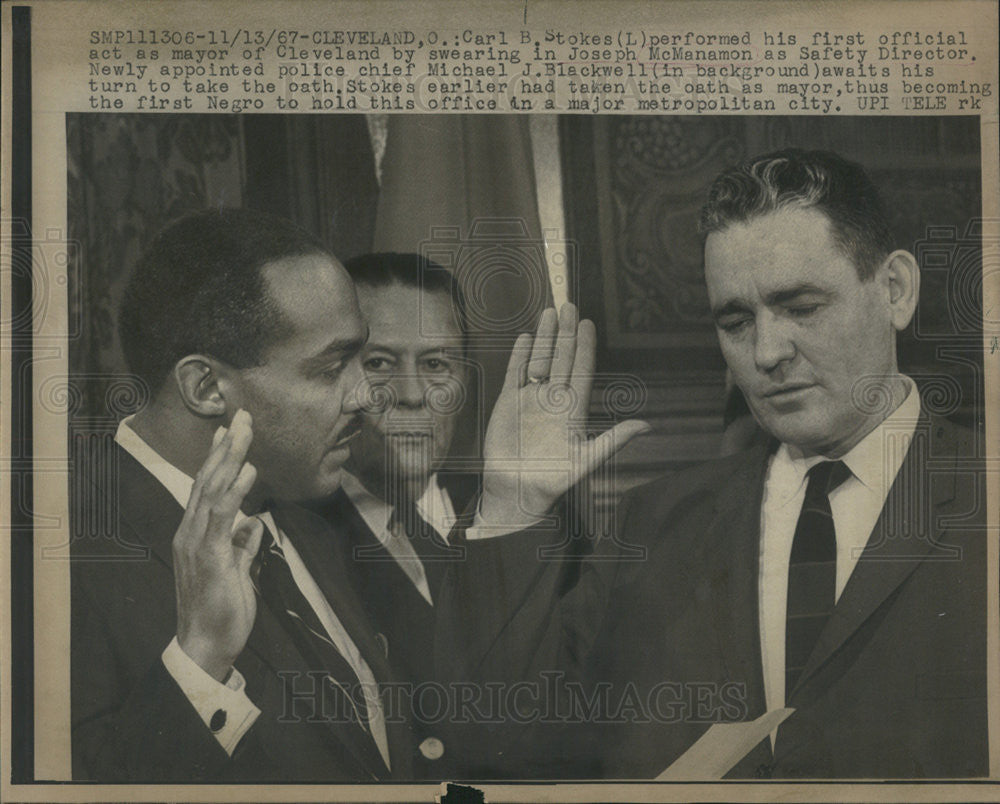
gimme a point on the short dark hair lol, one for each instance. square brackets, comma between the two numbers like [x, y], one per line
[796, 178]
[198, 289]
[412, 270]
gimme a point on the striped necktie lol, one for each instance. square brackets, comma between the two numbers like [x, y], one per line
[272, 579]
[812, 571]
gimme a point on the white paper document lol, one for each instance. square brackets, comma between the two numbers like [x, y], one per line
[721, 747]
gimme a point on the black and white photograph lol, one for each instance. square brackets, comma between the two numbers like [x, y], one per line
[306, 312]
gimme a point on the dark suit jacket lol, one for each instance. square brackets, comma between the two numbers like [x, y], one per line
[401, 615]
[896, 686]
[130, 720]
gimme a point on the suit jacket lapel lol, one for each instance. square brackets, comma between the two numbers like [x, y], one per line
[904, 536]
[734, 534]
[462, 487]
[315, 540]
[147, 507]
[153, 512]
[368, 559]
[354, 542]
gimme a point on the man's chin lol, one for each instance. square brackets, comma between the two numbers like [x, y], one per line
[413, 457]
[809, 440]
[411, 474]
[324, 485]
[798, 430]
[417, 475]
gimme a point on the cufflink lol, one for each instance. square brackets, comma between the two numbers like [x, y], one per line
[432, 748]
[218, 720]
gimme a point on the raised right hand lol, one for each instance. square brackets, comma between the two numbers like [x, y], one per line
[535, 450]
[216, 602]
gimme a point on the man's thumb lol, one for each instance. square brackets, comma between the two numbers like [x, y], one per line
[246, 539]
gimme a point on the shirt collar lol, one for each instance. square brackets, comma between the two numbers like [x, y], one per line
[377, 512]
[174, 480]
[874, 461]
[371, 508]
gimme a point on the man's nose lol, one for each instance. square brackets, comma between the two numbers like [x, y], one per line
[409, 389]
[773, 344]
[357, 388]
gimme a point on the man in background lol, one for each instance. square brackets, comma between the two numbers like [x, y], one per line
[395, 508]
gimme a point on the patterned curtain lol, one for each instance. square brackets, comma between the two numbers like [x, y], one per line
[317, 170]
[460, 189]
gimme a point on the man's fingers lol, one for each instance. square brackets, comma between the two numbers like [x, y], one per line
[229, 503]
[205, 490]
[222, 513]
[215, 455]
[565, 351]
[514, 378]
[540, 363]
[218, 435]
[236, 444]
[596, 452]
[242, 484]
[582, 374]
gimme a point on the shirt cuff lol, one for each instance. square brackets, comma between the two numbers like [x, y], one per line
[481, 529]
[224, 708]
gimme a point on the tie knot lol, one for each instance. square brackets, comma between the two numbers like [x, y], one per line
[406, 522]
[404, 518]
[825, 476]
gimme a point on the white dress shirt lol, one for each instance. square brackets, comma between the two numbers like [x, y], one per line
[856, 505]
[205, 693]
[434, 506]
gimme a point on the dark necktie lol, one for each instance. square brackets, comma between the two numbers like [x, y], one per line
[275, 585]
[432, 550]
[812, 571]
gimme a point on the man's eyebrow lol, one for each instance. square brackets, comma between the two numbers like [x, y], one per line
[729, 308]
[340, 348]
[443, 348]
[791, 294]
[783, 296]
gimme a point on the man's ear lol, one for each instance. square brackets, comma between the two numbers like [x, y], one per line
[901, 273]
[197, 379]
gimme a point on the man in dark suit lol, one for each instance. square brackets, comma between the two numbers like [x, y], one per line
[837, 568]
[216, 631]
[395, 507]
[233, 648]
